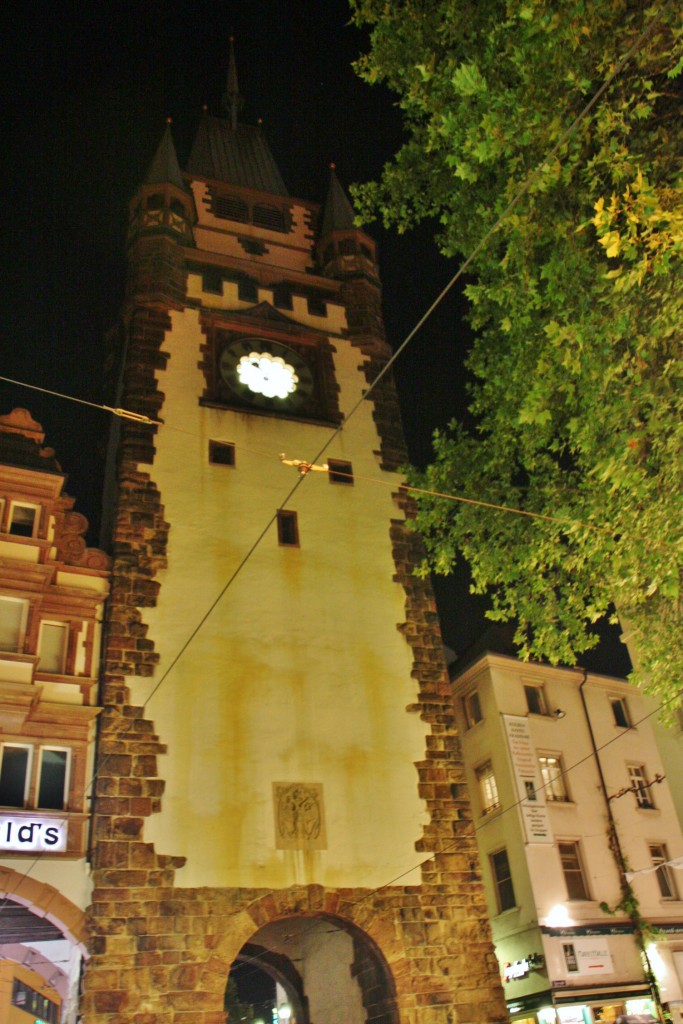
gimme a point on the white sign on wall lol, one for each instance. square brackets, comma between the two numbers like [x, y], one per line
[23, 834]
[588, 956]
[530, 789]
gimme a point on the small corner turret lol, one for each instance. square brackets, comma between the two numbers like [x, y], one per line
[163, 204]
[344, 250]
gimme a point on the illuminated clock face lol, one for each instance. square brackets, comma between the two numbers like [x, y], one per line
[266, 374]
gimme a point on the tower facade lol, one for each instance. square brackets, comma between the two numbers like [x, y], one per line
[280, 783]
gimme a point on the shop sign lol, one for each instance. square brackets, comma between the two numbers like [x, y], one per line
[519, 969]
[23, 834]
[530, 789]
[587, 956]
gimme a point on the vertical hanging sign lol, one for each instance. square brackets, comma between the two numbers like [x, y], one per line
[529, 785]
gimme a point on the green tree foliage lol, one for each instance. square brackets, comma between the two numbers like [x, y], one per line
[577, 303]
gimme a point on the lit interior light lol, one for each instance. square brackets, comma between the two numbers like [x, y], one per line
[267, 375]
[284, 1012]
[558, 917]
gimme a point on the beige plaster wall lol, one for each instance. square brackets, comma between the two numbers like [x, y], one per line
[299, 674]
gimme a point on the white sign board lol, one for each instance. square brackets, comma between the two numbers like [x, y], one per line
[530, 789]
[588, 956]
[26, 835]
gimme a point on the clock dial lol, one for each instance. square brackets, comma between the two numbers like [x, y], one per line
[266, 374]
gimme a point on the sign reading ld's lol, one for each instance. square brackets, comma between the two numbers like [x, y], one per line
[30, 834]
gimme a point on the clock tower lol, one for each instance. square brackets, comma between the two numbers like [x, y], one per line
[280, 792]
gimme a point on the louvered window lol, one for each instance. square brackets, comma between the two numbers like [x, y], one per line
[231, 208]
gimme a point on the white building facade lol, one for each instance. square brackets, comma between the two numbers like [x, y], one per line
[559, 763]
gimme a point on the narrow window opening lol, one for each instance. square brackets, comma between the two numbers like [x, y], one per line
[488, 788]
[22, 520]
[640, 786]
[212, 282]
[52, 783]
[52, 647]
[12, 623]
[266, 216]
[222, 453]
[620, 712]
[340, 472]
[573, 871]
[472, 709]
[287, 528]
[14, 775]
[665, 877]
[535, 700]
[502, 877]
[316, 307]
[553, 777]
[247, 290]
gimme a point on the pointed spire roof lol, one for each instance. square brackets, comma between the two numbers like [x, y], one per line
[237, 154]
[232, 101]
[338, 214]
[164, 168]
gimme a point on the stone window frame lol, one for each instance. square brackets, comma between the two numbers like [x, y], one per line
[640, 786]
[66, 666]
[14, 506]
[18, 647]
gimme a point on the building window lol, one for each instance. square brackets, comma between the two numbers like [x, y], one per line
[553, 777]
[316, 307]
[535, 700]
[287, 528]
[52, 782]
[640, 786]
[620, 712]
[212, 282]
[53, 778]
[52, 647]
[13, 613]
[573, 871]
[247, 290]
[500, 869]
[231, 208]
[14, 774]
[488, 788]
[22, 519]
[340, 472]
[282, 296]
[266, 216]
[659, 856]
[472, 708]
[252, 246]
[221, 453]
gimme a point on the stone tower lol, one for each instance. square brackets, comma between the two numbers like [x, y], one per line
[280, 783]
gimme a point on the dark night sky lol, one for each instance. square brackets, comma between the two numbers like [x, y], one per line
[88, 87]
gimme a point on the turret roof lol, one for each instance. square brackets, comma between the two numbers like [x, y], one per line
[164, 168]
[338, 214]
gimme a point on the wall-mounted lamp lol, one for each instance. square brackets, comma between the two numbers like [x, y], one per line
[558, 713]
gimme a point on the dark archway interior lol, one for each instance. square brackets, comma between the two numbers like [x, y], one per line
[312, 968]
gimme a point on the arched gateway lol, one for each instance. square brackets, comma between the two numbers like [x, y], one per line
[257, 795]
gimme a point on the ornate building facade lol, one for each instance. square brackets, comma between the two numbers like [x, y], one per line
[52, 592]
[280, 784]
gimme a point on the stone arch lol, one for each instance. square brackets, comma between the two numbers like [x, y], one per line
[46, 901]
[376, 955]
